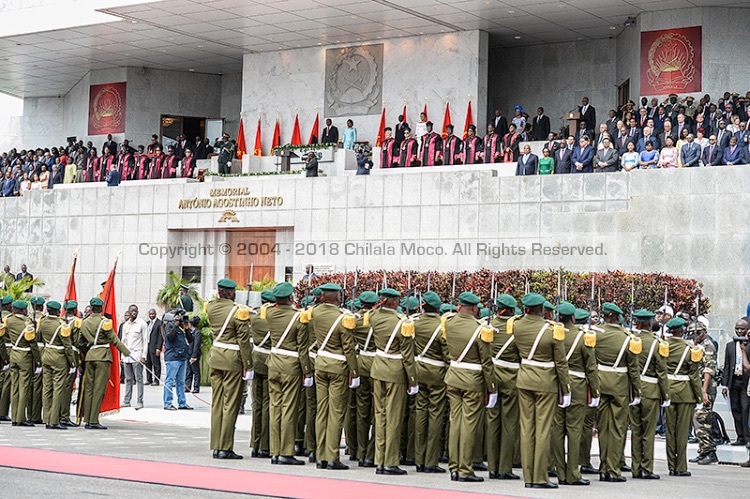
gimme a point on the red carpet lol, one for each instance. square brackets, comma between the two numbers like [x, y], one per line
[222, 479]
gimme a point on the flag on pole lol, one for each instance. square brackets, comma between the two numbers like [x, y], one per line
[111, 400]
[241, 145]
[70, 291]
[258, 149]
[381, 130]
[276, 141]
[296, 134]
[425, 111]
[403, 113]
[314, 132]
[469, 120]
[446, 120]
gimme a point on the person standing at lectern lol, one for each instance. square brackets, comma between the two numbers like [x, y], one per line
[226, 154]
[588, 112]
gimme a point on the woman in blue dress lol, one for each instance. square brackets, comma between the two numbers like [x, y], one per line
[350, 135]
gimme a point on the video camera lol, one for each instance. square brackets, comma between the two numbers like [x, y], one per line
[174, 316]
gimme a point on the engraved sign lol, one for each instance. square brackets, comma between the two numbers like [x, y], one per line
[354, 80]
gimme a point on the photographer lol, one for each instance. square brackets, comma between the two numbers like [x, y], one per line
[176, 350]
[364, 161]
[193, 376]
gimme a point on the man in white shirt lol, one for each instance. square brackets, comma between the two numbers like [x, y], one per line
[135, 337]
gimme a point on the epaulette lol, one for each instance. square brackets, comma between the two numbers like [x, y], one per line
[509, 324]
[663, 348]
[407, 328]
[443, 320]
[264, 310]
[65, 330]
[349, 321]
[29, 333]
[635, 345]
[366, 319]
[589, 338]
[696, 353]
[107, 325]
[305, 316]
[242, 314]
[2, 329]
[487, 334]
[78, 322]
[558, 331]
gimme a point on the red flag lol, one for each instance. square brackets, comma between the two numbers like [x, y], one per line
[425, 111]
[469, 120]
[111, 400]
[241, 145]
[70, 291]
[446, 119]
[258, 149]
[403, 113]
[381, 130]
[296, 135]
[314, 132]
[276, 141]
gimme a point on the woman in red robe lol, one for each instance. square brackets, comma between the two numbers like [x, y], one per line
[510, 145]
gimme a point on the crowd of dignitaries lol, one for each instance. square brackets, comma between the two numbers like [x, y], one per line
[519, 387]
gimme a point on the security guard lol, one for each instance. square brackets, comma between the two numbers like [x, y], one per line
[288, 371]
[655, 392]
[587, 432]
[35, 397]
[502, 420]
[471, 383]
[363, 335]
[261, 339]
[5, 350]
[231, 362]
[432, 358]
[683, 368]
[95, 337]
[579, 346]
[617, 360]
[71, 317]
[58, 361]
[336, 358]
[25, 360]
[543, 379]
[394, 376]
[186, 303]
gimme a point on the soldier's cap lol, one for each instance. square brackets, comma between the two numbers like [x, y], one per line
[410, 302]
[485, 312]
[611, 308]
[644, 314]
[518, 311]
[697, 326]
[306, 301]
[283, 290]
[54, 305]
[389, 293]
[581, 314]
[7, 300]
[70, 305]
[356, 303]
[676, 323]
[20, 305]
[316, 291]
[532, 300]
[666, 309]
[673, 95]
[226, 284]
[96, 302]
[37, 300]
[548, 305]
[432, 299]
[566, 309]
[184, 286]
[447, 307]
[267, 296]
[330, 287]
[368, 297]
[467, 298]
[690, 98]
[506, 300]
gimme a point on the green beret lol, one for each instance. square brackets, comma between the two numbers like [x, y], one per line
[96, 302]
[467, 298]
[307, 301]
[20, 305]
[485, 312]
[410, 302]
[226, 284]
[432, 299]
[506, 300]
[675, 323]
[7, 300]
[37, 300]
[54, 305]
[283, 290]
[389, 293]
[519, 311]
[581, 314]
[70, 305]
[548, 305]
[184, 286]
[316, 292]
[643, 314]
[447, 307]
[331, 287]
[357, 303]
[368, 297]
[611, 308]
[566, 309]
[532, 300]
[267, 296]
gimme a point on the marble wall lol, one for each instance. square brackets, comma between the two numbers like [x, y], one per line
[417, 70]
[231, 105]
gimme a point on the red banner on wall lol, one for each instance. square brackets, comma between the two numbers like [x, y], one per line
[107, 109]
[671, 61]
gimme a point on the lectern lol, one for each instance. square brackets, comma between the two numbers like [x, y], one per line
[285, 159]
[574, 119]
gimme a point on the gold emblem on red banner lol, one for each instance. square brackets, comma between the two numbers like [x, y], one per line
[671, 63]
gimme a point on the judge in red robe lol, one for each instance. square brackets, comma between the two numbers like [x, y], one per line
[431, 147]
[510, 145]
[142, 162]
[169, 167]
[188, 164]
[389, 152]
[154, 145]
[126, 164]
[92, 166]
[409, 150]
[492, 146]
[451, 148]
[157, 163]
[107, 163]
[473, 147]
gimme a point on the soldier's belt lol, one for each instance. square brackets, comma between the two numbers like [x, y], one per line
[40, 344]
[55, 347]
[466, 365]
[429, 361]
[612, 369]
[577, 374]
[228, 346]
[21, 349]
[337, 356]
[9, 345]
[505, 363]
[313, 355]
[262, 350]
[678, 377]
[394, 356]
[106, 345]
[365, 353]
[650, 379]
[536, 363]
[281, 351]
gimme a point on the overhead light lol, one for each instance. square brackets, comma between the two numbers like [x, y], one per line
[511, 12]
[517, 37]
[630, 21]
[200, 46]
[241, 30]
[191, 70]
[613, 27]
[133, 22]
[319, 43]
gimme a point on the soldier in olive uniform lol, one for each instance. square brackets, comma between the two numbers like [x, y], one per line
[432, 358]
[617, 359]
[58, 361]
[95, 337]
[288, 371]
[336, 358]
[261, 339]
[587, 432]
[543, 380]
[363, 335]
[655, 392]
[35, 396]
[71, 317]
[579, 346]
[7, 301]
[502, 420]
[394, 376]
[309, 406]
[231, 363]
[703, 417]
[25, 360]
[683, 368]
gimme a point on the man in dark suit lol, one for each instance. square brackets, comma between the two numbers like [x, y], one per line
[330, 133]
[155, 344]
[690, 154]
[540, 125]
[668, 131]
[111, 144]
[564, 156]
[735, 379]
[583, 156]
[722, 134]
[733, 154]
[401, 126]
[527, 162]
[500, 123]
[681, 125]
[584, 130]
[606, 158]
[712, 153]
[181, 145]
[23, 274]
[588, 112]
[552, 144]
[612, 123]
[647, 137]
[200, 151]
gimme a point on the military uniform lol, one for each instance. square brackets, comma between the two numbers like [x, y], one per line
[310, 395]
[363, 335]
[35, 396]
[70, 380]
[230, 356]
[5, 370]
[57, 360]
[261, 339]
[703, 416]
[24, 360]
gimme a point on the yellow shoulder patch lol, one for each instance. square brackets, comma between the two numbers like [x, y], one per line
[558, 332]
[78, 322]
[696, 353]
[443, 320]
[487, 334]
[2, 330]
[263, 311]
[242, 314]
[305, 316]
[407, 328]
[589, 338]
[29, 334]
[509, 324]
[107, 325]
[366, 319]
[349, 321]
[636, 345]
[664, 349]
[65, 330]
